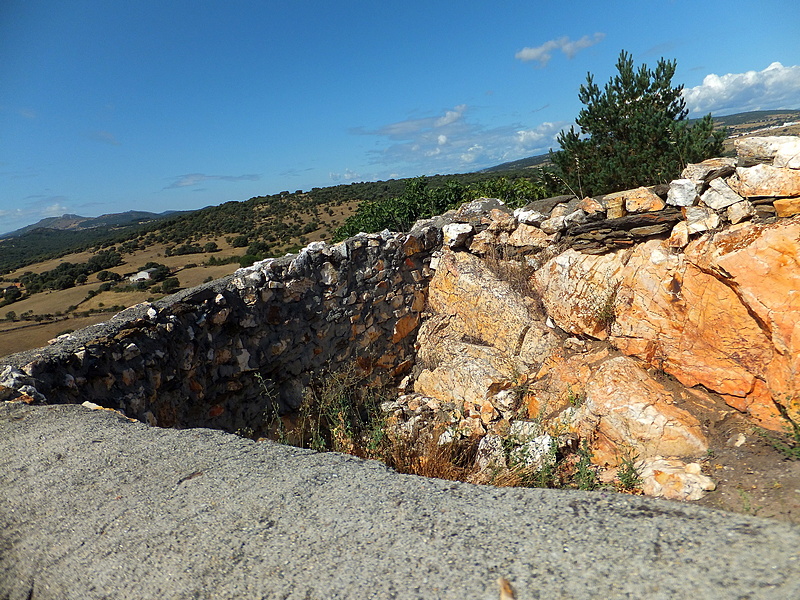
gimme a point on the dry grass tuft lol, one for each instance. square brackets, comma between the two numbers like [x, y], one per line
[454, 461]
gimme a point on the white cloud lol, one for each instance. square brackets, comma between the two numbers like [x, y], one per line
[451, 116]
[775, 87]
[410, 128]
[191, 179]
[452, 143]
[543, 135]
[54, 210]
[542, 54]
[348, 175]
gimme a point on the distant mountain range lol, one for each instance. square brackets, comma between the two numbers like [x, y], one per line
[69, 222]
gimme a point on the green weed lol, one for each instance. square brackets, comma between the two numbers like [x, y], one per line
[627, 473]
[585, 476]
[575, 399]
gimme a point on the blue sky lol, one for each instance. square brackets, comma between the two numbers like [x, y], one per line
[107, 106]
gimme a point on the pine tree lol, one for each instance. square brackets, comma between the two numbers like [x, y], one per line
[633, 132]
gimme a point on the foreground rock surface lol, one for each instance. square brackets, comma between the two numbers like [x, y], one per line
[96, 506]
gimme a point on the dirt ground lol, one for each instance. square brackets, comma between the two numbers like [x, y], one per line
[25, 335]
[753, 477]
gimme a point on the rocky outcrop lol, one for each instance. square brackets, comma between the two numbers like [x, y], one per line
[703, 315]
[690, 300]
[700, 310]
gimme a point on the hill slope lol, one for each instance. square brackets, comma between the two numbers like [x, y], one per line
[77, 223]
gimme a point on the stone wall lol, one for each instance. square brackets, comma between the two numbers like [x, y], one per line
[217, 355]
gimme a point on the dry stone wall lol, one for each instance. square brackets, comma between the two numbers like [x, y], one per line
[218, 355]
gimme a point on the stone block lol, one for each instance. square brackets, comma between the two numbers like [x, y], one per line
[682, 192]
[455, 235]
[719, 195]
[787, 207]
[643, 200]
[591, 206]
[615, 207]
[700, 218]
[553, 225]
[404, 326]
[529, 217]
[637, 200]
[560, 210]
[780, 150]
[709, 170]
[741, 211]
[679, 238]
[530, 236]
[768, 181]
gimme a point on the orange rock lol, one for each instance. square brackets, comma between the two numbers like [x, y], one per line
[627, 413]
[679, 238]
[458, 371]
[413, 245]
[578, 290]
[404, 325]
[561, 382]
[693, 325]
[614, 205]
[762, 262]
[528, 235]
[591, 206]
[419, 300]
[787, 207]
[488, 412]
[486, 307]
[725, 314]
[642, 200]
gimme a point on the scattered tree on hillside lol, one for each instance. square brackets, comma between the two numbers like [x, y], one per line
[632, 132]
[170, 285]
[12, 294]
